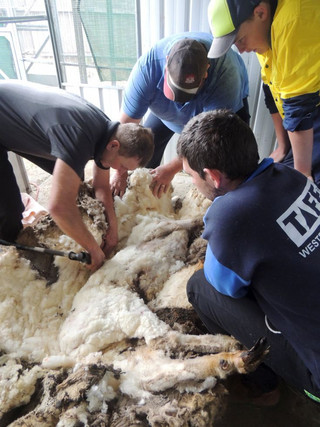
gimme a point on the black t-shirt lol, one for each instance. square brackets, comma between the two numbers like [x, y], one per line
[42, 124]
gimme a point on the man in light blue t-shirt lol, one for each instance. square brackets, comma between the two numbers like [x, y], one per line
[174, 81]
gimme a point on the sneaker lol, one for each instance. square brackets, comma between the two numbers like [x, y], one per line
[312, 396]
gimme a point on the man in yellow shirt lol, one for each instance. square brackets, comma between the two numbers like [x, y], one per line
[285, 36]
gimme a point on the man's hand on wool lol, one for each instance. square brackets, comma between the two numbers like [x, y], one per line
[118, 184]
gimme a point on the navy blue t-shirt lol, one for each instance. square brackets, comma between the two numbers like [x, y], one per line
[265, 235]
[43, 123]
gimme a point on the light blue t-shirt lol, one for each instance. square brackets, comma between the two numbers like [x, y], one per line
[225, 87]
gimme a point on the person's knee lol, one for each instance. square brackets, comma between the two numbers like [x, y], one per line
[193, 283]
[190, 293]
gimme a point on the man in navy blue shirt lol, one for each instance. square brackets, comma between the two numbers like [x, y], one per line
[61, 132]
[174, 81]
[262, 265]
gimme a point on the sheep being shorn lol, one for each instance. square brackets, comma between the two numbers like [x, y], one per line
[92, 349]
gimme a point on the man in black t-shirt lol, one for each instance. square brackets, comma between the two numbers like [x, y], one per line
[61, 132]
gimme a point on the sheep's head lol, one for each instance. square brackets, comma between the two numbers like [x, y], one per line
[245, 361]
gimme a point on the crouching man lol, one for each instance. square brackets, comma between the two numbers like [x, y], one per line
[60, 132]
[261, 271]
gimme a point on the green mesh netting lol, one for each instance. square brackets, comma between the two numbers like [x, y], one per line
[6, 59]
[110, 29]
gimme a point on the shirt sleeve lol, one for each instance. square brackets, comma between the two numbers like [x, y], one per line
[72, 145]
[223, 279]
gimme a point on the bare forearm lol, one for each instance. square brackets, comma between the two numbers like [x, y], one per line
[174, 166]
[69, 220]
[64, 211]
[103, 193]
[124, 118]
[167, 172]
[281, 132]
[302, 145]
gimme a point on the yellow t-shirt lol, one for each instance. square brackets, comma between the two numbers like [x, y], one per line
[292, 67]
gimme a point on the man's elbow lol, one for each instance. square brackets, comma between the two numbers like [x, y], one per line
[124, 118]
[56, 210]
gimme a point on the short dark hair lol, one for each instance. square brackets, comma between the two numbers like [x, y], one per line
[135, 141]
[219, 140]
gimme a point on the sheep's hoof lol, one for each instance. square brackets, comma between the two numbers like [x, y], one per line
[253, 357]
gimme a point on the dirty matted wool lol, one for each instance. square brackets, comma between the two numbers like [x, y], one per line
[90, 349]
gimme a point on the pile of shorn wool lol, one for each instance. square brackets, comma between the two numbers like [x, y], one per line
[122, 346]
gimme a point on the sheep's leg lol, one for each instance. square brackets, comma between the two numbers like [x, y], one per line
[195, 370]
[175, 342]
[225, 363]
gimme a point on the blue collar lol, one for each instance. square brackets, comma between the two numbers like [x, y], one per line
[262, 166]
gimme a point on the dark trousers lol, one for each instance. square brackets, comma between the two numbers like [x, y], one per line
[162, 134]
[243, 319]
[11, 206]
